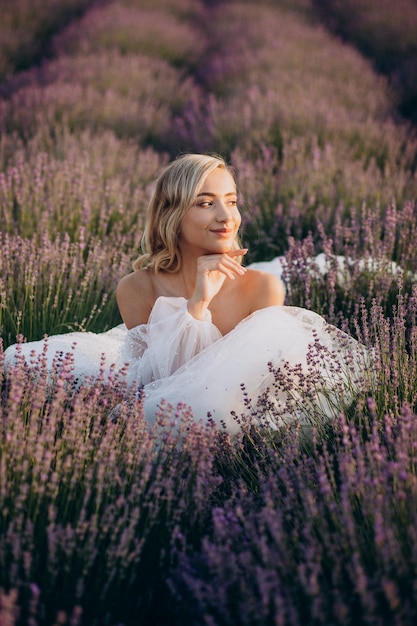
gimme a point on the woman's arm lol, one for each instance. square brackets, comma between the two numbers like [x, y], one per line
[168, 339]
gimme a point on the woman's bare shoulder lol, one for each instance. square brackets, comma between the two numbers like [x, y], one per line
[135, 297]
[264, 289]
[141, 278]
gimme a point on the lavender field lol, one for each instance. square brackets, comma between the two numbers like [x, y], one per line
[109, 522]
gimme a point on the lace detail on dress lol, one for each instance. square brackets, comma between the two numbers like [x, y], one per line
[135, 343]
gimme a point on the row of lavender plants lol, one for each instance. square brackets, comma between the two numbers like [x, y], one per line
[107, 522]
[386, 36]
[26, 26]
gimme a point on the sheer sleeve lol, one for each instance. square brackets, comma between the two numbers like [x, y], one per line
[171, 338]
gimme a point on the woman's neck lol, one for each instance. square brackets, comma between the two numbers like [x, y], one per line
[180, 283]
[185, 278]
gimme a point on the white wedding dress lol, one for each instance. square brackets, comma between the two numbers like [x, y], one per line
[278, 365]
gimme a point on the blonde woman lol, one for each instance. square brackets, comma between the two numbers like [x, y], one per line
[202, 328]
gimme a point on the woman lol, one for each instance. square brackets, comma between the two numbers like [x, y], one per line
[202, 330]
[201, 326]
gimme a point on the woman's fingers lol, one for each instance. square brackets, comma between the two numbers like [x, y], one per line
[229, 261]
[234, 269]
[240, 252]
[228, 271]
[223, 263]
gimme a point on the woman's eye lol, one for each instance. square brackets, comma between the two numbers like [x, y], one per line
[209, 203]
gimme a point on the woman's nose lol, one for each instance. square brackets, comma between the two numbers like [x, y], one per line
[223, 211]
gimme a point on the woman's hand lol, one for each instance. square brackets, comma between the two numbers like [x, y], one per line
[212, 271]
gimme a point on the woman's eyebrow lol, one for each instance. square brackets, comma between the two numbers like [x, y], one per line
[213, 195]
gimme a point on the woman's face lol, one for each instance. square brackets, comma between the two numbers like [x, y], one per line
[211, 224]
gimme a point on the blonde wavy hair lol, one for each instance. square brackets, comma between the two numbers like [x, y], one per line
[175, 190]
